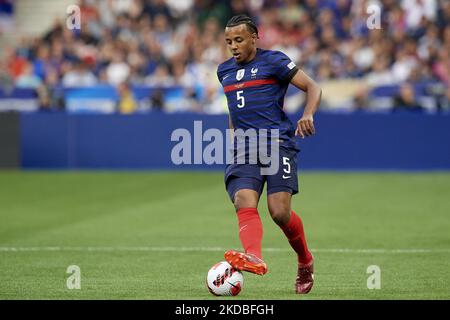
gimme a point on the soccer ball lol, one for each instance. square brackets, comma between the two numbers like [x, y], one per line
[224, 280]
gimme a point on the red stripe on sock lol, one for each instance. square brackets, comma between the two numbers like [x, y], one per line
[296, 236]
[250, 230]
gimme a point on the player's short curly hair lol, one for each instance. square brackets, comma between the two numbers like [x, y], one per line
[243, 19]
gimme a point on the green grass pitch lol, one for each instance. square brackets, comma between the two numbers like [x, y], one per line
[154, 235]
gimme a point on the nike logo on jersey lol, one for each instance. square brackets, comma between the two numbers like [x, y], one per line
[286, 177]
[242, 228]
[225, 76]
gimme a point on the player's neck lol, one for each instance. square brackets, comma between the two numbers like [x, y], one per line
[250, 57]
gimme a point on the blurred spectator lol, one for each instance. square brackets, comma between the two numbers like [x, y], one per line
[28, 79]
[41, 63]
[6, 16]
[445, 103]
[441, 67]
[441, 95]
[443, 14]
[403, 66]
[269, 30]
[291, 12]
[380, 74]
[363, 54]
[312, 7]
[188, 102]
[361, 99]
[6, 81]
[164, 43]
[406, 99]
[178, 8]
[79, 76]
[50, 93]
[157, 101]
[118, 70]
[127, 103]
[154, 8]
[181, 76]
[416, 10]
[213, 103]
[161, 77]
[15, 63]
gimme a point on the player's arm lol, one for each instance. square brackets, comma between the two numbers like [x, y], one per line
[305, 126]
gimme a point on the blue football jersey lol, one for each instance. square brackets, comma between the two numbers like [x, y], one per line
[255, 93]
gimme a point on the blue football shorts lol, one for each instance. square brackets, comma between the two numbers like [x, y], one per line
[248, 176]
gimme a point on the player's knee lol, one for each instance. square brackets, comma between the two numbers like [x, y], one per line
[280, 214]
[245, 200]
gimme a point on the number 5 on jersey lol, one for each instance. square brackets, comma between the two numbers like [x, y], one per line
[287, 169]
[240, 98]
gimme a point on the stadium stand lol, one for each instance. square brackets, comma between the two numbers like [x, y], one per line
[165, 53]
[157, 60]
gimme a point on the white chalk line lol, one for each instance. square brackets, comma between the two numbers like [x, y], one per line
[209, 249]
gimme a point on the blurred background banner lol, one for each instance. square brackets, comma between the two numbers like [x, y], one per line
[344, 141]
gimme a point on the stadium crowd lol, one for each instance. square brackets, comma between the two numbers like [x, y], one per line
[180, 43]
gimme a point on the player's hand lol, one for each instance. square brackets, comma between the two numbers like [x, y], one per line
[305, 126]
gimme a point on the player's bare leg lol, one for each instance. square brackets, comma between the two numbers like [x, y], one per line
[246, 198]
[279, 204]
[250, 234]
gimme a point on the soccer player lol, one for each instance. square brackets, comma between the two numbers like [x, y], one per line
[255, 83]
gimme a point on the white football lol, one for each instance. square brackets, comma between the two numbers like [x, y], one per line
[224, 280]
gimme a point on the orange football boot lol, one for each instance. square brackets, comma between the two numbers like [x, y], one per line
[246, 262]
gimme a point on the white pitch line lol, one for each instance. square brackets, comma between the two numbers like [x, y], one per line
[211, 249]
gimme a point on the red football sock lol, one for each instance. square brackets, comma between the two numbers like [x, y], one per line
[250, 230]
[296, 236]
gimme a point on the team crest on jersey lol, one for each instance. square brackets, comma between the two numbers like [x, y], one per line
[254, 71]
[240, 74]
